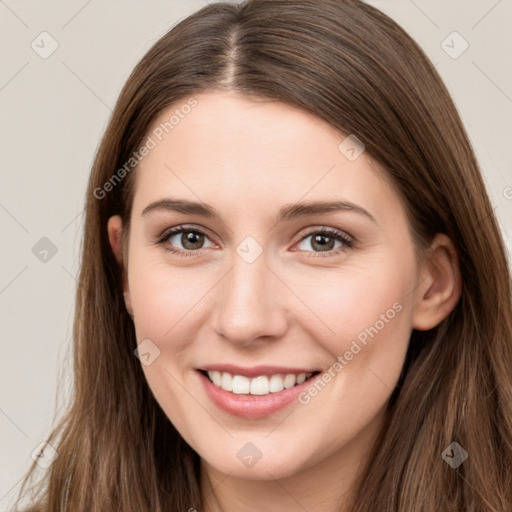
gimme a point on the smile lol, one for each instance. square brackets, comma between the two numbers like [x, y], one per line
[261, 385]
[254, 393]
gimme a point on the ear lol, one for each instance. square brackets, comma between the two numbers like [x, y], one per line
[115, 231]
[440, 284]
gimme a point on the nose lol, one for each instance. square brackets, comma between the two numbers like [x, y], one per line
[251, 305]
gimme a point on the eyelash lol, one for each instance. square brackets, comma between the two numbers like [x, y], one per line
[339, 236]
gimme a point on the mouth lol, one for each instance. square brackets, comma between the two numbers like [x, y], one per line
[260, 385]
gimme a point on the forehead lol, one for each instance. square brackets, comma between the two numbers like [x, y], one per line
[259, 153]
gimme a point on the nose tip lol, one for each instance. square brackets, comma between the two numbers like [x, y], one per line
[248, 308]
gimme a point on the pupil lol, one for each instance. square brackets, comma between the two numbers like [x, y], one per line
[320, 239]
[191, 238]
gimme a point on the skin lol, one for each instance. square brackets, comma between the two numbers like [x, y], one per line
[291, 306]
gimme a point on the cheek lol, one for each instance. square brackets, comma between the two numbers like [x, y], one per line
[163, 300]
[369, 325]
[365, 312]
[162, 296]
[358, 302]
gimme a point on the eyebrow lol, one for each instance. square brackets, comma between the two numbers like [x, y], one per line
[286, 213]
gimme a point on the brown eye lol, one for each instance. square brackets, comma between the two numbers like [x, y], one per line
[325, 240]
[184, 241]
[192, 240]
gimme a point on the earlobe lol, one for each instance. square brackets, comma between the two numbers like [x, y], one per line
[440, 284]
[115, 231]
[128, 303]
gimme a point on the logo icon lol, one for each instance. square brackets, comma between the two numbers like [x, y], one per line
[454, 45]
[44, 45]
[249, 455]
[44, 454]
[454, 455]
[351, 148]
[249, 249]
[147, 352]
[44, 250]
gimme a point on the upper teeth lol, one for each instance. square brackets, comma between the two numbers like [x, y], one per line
[262, 385]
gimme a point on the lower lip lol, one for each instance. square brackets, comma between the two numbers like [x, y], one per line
[252, 406]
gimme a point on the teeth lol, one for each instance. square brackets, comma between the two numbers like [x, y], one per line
[276, 384]
[226, 381]
[241, 385]
[262, 385]
[301, 378]
[215, 377]
[289, 381]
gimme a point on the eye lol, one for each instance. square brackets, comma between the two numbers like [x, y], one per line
[191, 239]
[324, 240]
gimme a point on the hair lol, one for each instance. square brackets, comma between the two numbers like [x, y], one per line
[352, 66]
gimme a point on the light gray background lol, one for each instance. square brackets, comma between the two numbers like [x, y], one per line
[53, 114]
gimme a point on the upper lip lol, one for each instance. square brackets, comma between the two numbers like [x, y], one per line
[256, 371]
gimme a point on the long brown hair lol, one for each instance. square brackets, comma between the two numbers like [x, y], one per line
[352, 66]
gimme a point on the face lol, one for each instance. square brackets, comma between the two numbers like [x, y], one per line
[268, 290]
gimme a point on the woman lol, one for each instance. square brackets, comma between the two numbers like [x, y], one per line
[222, 363]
